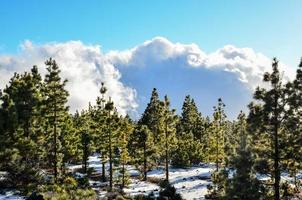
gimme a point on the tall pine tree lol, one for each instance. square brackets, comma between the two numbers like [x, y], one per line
[126, 128]
[142, 148]
[55, 112]
[216, 138]
[267, 119]
[152, 115]
[168, 139]
[244, 184]
[21, 135]
[99, 126]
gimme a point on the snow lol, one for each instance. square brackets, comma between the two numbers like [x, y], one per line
[191, 183]
[3, 175]
[262, 177]
[10, 196]
[141, 187]
[284, 177]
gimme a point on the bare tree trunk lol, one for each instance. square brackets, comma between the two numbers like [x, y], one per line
[103, 169]
[217, 154]
[110, 157]
[145, 163]
[276, 152]
[123, 179]
[167, 156]
[55, 143]
[85, 158]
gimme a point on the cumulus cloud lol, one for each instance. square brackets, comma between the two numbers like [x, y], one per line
[245, 63]
[179, 69]
[83, 65]
[175, 69]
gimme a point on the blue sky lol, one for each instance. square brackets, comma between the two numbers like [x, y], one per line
[271, 27]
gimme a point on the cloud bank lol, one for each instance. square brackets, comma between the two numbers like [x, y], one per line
[175, 69]
[246, 64]
[82, 65]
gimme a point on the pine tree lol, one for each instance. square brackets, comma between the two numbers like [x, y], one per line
[190, 133]
[244, 184]
[292, 159]
[152, 116]
[217, 136]
[99, 127]
[191, 120]
[188, 151]
[86, 139]
[168, 139]
[82, 140]
[230, 138]
[142, 148]
[69, 140]
[55, 111]
[126, 129]
[153, 119]
[20, 137]
[77, 120]
[267, 119]
[207, 127]
[111, 136]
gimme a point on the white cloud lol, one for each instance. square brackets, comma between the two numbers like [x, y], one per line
[176, 69]
[245, 63]
[83, 65]
[153, 51]
[180, 69]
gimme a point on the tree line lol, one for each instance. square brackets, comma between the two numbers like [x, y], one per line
[39, 137]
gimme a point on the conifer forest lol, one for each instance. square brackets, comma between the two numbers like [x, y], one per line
[48, 152]
[150, 100]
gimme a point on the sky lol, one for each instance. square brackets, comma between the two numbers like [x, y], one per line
[204, 48]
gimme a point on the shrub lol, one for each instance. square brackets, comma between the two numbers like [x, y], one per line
[169, 193]
[66, 191]
[163, 183]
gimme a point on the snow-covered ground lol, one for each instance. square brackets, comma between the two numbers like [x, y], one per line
[191, 183]
[141, 187]
[10, 196]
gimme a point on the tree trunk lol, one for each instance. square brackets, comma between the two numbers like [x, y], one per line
[110, 157]
[123, 179]
[276, 170]
[145, 163]
[295, 180]
[167, 156]
[276, 152]
[55, 143]
[217, 153]
[85, 158]
[103, 169]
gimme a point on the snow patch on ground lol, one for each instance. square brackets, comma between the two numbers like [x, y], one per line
[191, 183]
[141, 187]
[10, 196]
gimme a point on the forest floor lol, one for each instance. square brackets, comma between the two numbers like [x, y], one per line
[191, 182]
[10, 196]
